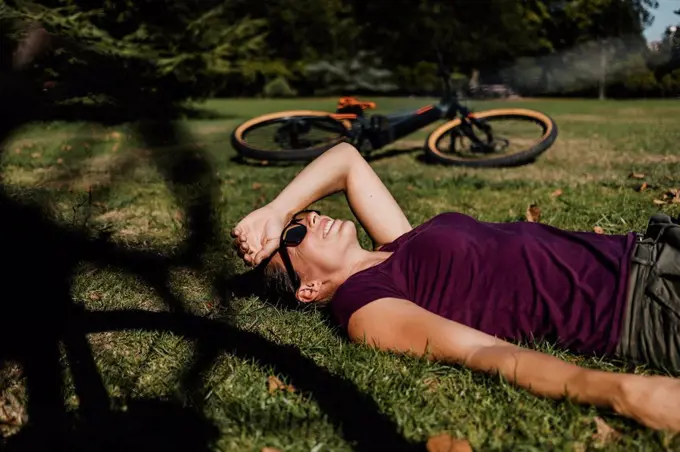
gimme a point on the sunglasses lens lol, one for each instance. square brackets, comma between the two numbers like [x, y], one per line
[294, 234]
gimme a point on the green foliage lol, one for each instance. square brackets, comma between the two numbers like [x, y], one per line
[670, 83]
[198, 49]
[361, 73]
[420, 78]
[469, 34]
[279, 87]
[194, 50]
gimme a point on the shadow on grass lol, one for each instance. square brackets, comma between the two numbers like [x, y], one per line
[424, 158]
[41, 320]
[382, 155]
[370, 157]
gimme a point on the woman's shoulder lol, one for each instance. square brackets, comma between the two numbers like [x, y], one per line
[359, 290]
[444, 219]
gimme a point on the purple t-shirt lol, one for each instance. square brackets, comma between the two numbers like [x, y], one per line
[516, 281]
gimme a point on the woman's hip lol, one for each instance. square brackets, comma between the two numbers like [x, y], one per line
[651, 324]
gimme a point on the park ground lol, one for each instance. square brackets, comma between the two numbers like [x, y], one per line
[613, 165]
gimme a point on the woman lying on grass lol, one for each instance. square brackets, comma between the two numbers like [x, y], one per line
[455, 289]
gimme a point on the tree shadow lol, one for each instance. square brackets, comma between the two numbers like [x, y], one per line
[370, 157]
[424, 158]
[238, 159]
[40, 258]
[382, 155]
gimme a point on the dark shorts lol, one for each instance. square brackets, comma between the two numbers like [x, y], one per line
[651, 324]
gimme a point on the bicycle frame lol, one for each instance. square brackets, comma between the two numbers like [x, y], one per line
[381, 130]
[384, 130]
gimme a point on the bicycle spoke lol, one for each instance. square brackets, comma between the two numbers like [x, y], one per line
[293, 134]
[493, 136]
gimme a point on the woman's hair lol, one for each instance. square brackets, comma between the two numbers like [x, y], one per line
[277, 283]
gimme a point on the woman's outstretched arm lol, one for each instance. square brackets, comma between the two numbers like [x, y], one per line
[402, 326]
[341, 168]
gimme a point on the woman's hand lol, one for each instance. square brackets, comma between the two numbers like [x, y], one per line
[652, 401]
[257, 236]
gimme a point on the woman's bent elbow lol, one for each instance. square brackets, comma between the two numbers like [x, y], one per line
[347, 150]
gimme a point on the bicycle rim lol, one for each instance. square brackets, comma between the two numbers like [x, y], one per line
[290, 134]
[517, 136]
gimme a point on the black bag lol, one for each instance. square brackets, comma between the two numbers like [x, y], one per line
[662, 227]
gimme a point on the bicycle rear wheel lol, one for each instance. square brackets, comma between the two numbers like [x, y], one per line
[289, 135]
[517, 136]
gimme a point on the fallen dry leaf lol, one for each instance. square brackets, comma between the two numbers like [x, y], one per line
[60, 161]
[598, 230]
[17, 151]
[636, 175]
[431, 383]
[270, 449]
[66, 147]
[94, 296]
[642, 187]
[446, 443]
[533, 214]
[36, 155]
[557, 193]
[256, 186]
[115, 147]
[410, 188]
[659, 202]
[261, 201]
[676, 200]
[274, 384]
[578, 447]
[605, 433]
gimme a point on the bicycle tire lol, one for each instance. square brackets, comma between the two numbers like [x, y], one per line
[307, 153]
[544, 143]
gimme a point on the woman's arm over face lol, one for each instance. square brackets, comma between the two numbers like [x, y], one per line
[341, 168]
[402, 326]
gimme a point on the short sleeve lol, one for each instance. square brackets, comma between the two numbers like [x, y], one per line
[359, 290]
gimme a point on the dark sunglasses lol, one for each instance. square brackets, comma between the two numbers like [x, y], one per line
[293, 234]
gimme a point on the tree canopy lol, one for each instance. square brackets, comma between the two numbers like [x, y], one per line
[201, 48]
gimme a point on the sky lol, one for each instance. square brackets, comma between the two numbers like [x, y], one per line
[663, 17]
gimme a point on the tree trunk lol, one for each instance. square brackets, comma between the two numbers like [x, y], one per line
[603, 73]
[473, 84]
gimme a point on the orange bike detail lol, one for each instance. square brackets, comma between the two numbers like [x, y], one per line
[340, 116]
[424, 109]
[349, 101]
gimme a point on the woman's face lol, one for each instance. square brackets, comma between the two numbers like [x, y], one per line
[321, 257]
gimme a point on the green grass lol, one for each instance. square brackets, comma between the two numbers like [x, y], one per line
[599, 145]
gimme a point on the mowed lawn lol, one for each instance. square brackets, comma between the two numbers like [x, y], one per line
[582, 182]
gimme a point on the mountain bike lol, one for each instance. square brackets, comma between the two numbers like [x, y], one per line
[474, 139]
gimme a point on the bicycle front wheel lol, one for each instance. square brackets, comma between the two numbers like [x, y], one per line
[289, 135]
[512, 137]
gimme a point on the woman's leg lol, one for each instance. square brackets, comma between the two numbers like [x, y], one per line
[651, 329]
